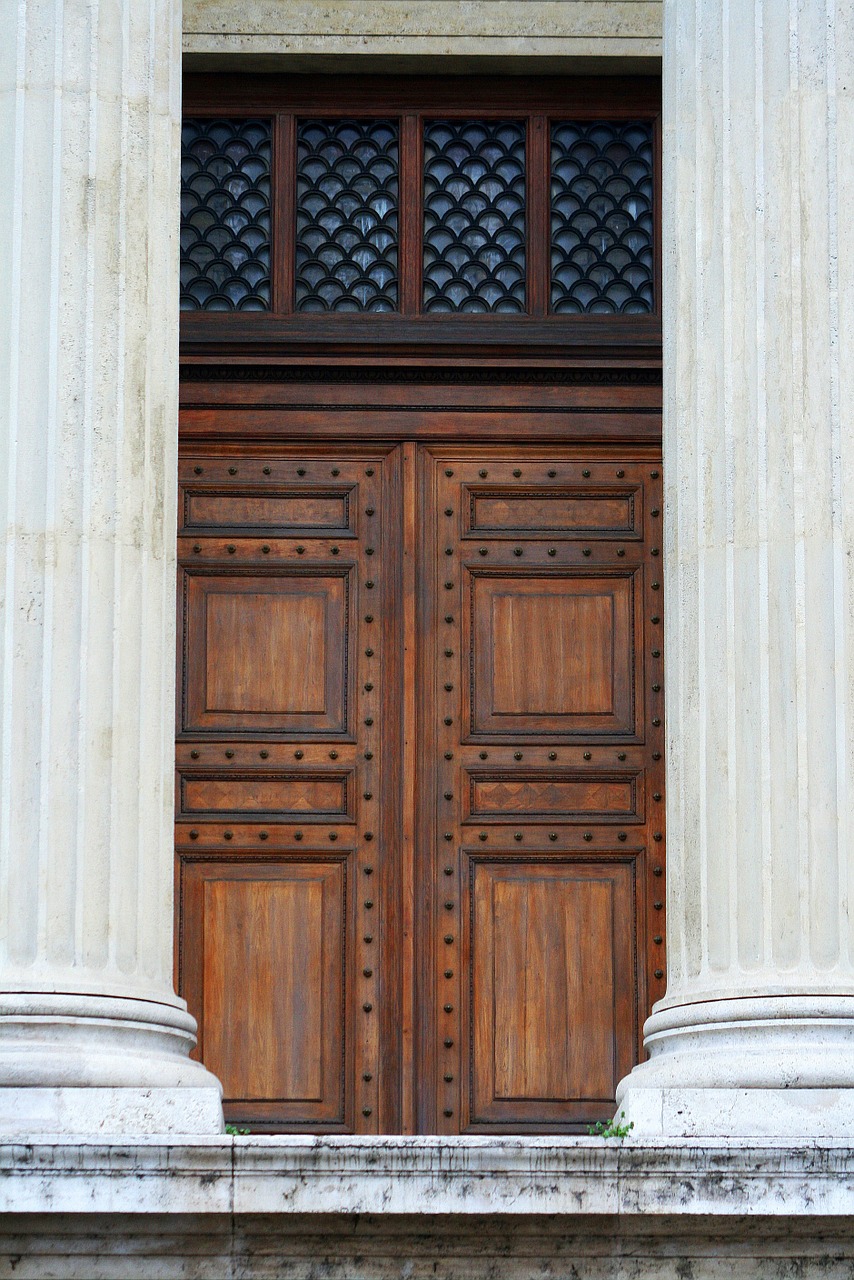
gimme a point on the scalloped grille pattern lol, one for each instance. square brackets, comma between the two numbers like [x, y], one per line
[347, 215]
[474, 216]
[602, 218]
[225, 215]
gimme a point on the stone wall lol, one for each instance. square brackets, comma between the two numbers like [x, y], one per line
[587, 36]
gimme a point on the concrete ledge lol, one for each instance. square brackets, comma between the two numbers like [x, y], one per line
[579, 1177]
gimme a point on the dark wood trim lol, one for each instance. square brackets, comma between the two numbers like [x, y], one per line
[250, 336]
[420, 373]
[538, 178]
[280, 423]
[283, 214]
[409, 797]
[584, 97]
[393, 1083]
[410, 251]
[423, 403]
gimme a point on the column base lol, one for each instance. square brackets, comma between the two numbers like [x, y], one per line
[36, 1113]
[738, 1113]
[101, 1065]
[765, 1066]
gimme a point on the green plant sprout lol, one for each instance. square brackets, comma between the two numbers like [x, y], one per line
[235, 1132]
[613, 1129]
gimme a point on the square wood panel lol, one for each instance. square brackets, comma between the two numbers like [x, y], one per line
[263, 971]
[551, 653]
[551, 986]
[270, 651]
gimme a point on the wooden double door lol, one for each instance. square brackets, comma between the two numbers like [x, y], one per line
[419, 780]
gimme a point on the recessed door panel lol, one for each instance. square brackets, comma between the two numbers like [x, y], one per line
[551, 652]
[549, 987]
[287, 796]
[270, 650]
[273, 937]
[615, 512]
[267, 508]
[571, 795]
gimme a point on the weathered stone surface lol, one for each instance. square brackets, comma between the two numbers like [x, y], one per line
[427, 1209]
[430, 1175]
[440, 1248]
[90, 103]
[535, 29]
[756, 1031]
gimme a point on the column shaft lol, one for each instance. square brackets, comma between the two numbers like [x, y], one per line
[759, 464]
[91, 1032]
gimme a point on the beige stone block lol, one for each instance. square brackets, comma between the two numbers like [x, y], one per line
[478, 29]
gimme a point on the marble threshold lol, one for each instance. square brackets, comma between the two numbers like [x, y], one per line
[576, 1176]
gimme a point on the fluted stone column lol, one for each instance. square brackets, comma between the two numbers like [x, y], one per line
[756, 1032]
[92, 1036]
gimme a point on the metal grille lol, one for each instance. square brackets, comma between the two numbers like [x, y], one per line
[347, 215]
[602, 218]
[225, 215]
[474, 216]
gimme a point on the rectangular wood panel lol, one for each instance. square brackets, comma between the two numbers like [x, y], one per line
[304, 797]
[552, 651]
[550, 986]
[267, 651]
[583, 513]
[266, 982]
[540, 633]
[267, 510]
[582, 795]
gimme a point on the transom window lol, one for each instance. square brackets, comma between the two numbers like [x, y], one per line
[515, 212]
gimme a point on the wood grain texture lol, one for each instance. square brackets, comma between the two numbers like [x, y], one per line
[552, 652]
[267, 650]
[286, 785]
[248, 634]
[542, 511]
[287, 796]
[286, 511]
[541, 781]
[267, 981]
[550, 970]
[493, 796]
[580, 795]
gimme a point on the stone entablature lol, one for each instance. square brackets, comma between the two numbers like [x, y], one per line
[557, 29]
